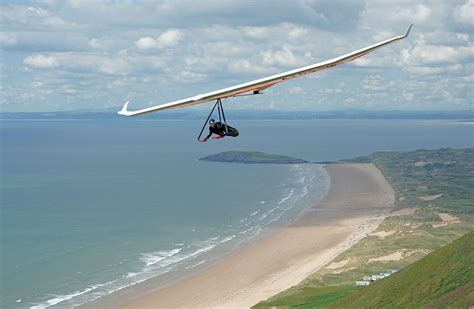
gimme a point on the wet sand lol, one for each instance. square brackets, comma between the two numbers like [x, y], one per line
[359, 199]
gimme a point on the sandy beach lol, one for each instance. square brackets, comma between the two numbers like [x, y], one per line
[359, 199]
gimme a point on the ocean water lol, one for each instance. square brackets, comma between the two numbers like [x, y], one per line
[90, 207]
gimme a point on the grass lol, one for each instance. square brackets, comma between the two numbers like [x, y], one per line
[430, 280]
[428, 172]
[412, 175]
[309, 297]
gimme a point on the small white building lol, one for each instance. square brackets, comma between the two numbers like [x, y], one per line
[362, 283]
[368, 279]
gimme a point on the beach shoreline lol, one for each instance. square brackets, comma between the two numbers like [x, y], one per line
[358, 201]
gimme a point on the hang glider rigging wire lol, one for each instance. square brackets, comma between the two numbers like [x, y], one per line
[220, 112]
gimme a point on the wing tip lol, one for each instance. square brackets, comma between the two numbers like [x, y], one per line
[408, 31]
[124, 111]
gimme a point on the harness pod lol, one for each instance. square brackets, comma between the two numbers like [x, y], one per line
[220, 110]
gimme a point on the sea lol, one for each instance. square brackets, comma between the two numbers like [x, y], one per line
[90, 207]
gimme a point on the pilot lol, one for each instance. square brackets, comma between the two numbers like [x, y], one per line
[219, 129]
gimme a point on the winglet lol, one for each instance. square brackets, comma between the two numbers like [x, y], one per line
[408, 31]
[124, 110]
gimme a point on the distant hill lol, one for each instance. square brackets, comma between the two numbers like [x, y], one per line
[251, 157]
[441, 178]
[234, 114]
[443, 278]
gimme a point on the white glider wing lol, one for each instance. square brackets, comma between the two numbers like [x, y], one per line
[254, 87]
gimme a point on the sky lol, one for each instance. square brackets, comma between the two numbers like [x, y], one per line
[96, 54]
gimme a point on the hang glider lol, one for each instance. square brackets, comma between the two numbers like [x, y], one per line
[257, 86]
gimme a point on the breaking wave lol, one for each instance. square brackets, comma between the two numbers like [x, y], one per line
[295, 194]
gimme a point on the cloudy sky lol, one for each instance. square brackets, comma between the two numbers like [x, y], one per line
[82, 54]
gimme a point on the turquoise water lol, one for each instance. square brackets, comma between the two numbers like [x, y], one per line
[89, 207]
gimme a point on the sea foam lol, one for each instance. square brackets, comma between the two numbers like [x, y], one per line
[186, 256]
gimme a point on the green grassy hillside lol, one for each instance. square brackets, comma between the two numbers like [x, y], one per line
[434, 207]
[443, 278]
[308, 297]
[449, 270]
[442, 177]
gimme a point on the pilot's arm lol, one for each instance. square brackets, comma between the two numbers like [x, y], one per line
[209, 135]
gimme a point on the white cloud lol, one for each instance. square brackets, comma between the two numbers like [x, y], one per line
[423, 53]
[86, 3]
[104, 63]
[430, 70]
[38, 11]
[114, 66]
[41, 61]
[463, 37]
[116, 84]
[469, 78]
[283, 57]
[374, 83]
[242, 66]
[169, 38]
[93, 43]
[465, 13]
[35, 18]
[377, 61]
[420, 13]
[146, 43]
[297, 32]
[187, 76]
[256, 32]
[296, 90]
[55, 22]
[96, 44]
[334, 90]
[286, 30]
[408, 96]
[401, 12]
[349, 100]
[7, 39]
